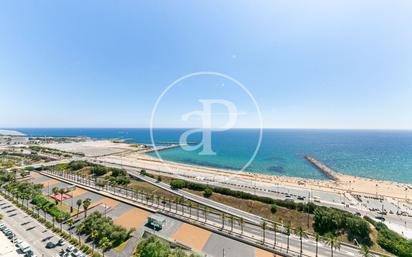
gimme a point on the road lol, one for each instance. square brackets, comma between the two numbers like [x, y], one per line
[251, 231]
[28, 229]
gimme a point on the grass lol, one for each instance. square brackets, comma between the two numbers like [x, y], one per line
[121, 246]
[149, 188]
[63, 206]
[284, 215]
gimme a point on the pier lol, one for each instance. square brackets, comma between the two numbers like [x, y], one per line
[161, 148]
[329, 172]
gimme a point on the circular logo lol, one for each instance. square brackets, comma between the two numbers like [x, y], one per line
[210, 111]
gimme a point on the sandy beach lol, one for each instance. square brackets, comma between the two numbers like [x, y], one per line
[125, 154]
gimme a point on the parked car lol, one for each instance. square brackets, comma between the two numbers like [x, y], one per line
[50, 245]
[61, 242]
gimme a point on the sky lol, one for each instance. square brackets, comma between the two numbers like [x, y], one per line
[308, 64]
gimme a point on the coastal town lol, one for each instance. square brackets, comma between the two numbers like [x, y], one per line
[167, 201]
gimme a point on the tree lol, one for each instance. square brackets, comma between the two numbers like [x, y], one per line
[190, 208]
[104, 244]
[273, 208]
[232, 221]
[207, 192]
[55, 191]
[61, 192]
[288, 230]
[263, 225]
[365, 251]
[275, 230]
[206, 211]
[60, 218]
[69, 226]
[332, 241]
[317, 238]
[301, 233]
[241, 223]
[86, 204]
[93, 237]
[79, 203]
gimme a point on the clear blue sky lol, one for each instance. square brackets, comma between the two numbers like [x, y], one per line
[310, 64]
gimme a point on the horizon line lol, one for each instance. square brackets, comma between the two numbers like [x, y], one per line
[274, 128]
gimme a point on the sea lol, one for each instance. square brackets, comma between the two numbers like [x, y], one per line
[377, 154]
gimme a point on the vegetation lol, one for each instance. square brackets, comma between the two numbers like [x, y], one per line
[273, 208]
[392, 241]
[100, 228]
[153, 247]
[51, 151]
[49, 207]
[334, 221]
[207, 192]
[116, 177]
[304, 207]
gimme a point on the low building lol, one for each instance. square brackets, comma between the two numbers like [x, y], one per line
[156, 221]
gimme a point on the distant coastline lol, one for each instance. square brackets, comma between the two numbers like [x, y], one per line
[7, 132]
[382, 155]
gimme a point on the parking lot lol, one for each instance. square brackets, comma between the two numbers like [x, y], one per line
[31, 233]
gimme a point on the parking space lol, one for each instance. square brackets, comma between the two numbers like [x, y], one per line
[28, 234]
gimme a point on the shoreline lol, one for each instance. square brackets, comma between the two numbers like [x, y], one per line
[126, 154]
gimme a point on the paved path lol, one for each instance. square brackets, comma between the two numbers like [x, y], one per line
[28, 229]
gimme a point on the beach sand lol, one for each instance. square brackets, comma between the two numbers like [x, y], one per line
[125, 154]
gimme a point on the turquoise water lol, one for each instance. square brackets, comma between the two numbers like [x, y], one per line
[375, 154]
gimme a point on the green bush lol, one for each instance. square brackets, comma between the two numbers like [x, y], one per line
[393, 242]
[335, 221]
[273, 208]
[104, 227]
[207, 192]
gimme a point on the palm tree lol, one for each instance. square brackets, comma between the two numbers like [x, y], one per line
[299, 231]
[79, 203]
[61, 192]
[86, 204]
[317, 238]
[93, 237]
[55, 191]
[264, 224]
[275, 230]
[206, 210]
[70, 225]
[241, 223]
[288, 230]
[333, 242]
[232, 220]
[104, 244]
[37, 209]
[365, 251]
[190, 208]
[45, 209]
[60, 219]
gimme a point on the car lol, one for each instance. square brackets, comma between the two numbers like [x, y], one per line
[61, 242]
[380, 218]
[18, 242]
[70, 248]
[50, 245]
